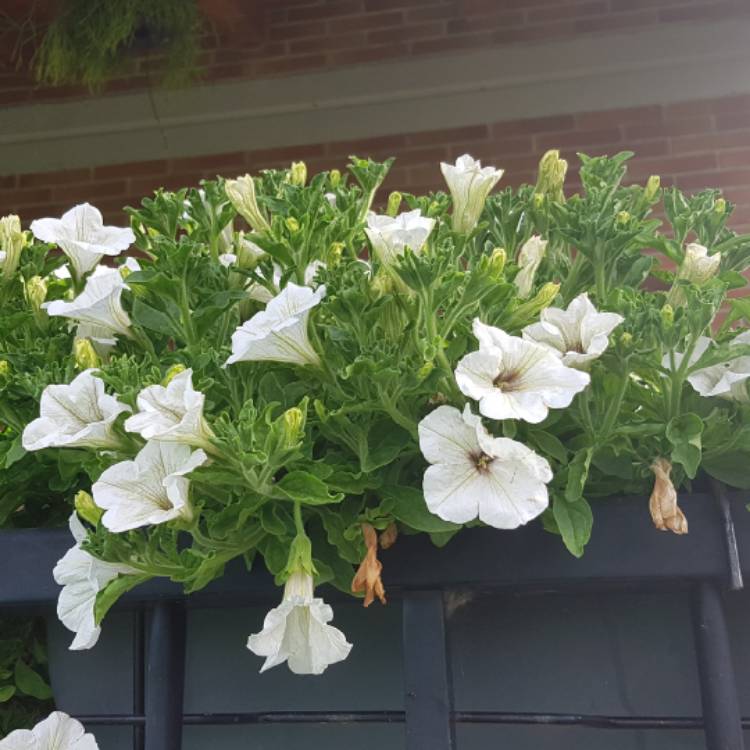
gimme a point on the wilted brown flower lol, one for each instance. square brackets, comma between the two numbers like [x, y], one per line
[665, 512]
[367, 577]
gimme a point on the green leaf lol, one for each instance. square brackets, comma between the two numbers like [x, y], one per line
[149, 317]
[730, 468]
[30, 682]
[574, 521]
[106, 598]
[307, 488]
[7, 692]
[578, 472]
[684, 433]
[15, 453]
[384, 445]
[407, 505]
[549, 445]
[441, 538]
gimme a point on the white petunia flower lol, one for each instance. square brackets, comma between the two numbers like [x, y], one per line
[469, 185]
[57, 732]
[577, 335]
[297, 631]
[98, 304]
[76, 415]
[529, 259]
[102, 339]
[279, 333]
[12, 242]
[697, 267]
[241, 194]
[516, 379]
[475, 475]
[82, 577]
[173, 413]
[331, 198]
[82, 236]
[727, 380]
[389, 236]
[150, 490]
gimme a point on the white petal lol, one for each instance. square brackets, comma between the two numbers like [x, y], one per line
[445, 437]
[452, 492]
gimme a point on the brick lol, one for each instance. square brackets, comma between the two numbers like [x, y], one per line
[689, 143]
[736, 121]
[284, 154]
[133, 169]
[734, 157]
[579, 10]
[91, 192]
[614, 117]
[711, 12]
[386, 142]
[614, 22]
[10, 199]
[212, 161]
[482, 23]
[406, 33]
[290, 64]
[368, 54]
[471, 133]
[356, 40]
[365, 22]
[554, 124]
[327, 10]
[682, 126]
[297, 30]
[675, 165]
[69, 176]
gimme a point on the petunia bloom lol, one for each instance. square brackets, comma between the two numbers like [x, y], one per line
[727, 380]
[173, 413]
[279, 333]
[390, 235]
[697, 267]
[529, 259]
[469, 184]
[475, 475]
[99, 304]
[151, 489]
[516, 379]
[79, 414]
[82, 236]
[82, 577]
[577, 335]
[57, 732]
[297, 631]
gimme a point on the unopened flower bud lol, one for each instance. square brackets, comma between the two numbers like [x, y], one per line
[292, 224]
[697, 267]
[87, 508]
[334, 177]
[172, 373]
[294, 426]
[241, 194]
[497, 261]
[12, 242]
[84, 354]
[652, 188]
[720, 207]
[622, 218]
[529, 258]
[538, 200]
[425, 370]
[36, 292]
[335, 252]
[667, 316]
[546, 295]
[4, 371]
[552, 170]
[626, 340]
[394, 202]
[298, 173]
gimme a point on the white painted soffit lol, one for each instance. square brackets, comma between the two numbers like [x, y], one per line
[665, 64]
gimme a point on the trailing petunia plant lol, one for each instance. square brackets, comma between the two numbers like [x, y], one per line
[277, 370]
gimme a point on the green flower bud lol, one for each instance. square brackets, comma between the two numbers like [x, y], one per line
[4, 371]
[335, 252]
[36, 292]
[298, 173]
[12, 242]
[626, 340]
[652, 188]
[334, 177]
[172, 373]
[85, 355]
[546, 295]
[293, 427]
[552, 171]
[292, 224]
[394, 202]
[241, 194]
[300, 557]
[622, 218]
[87, 508]
[425, 370]
[667, 316]
[720, 207]
[538, 200]
[497, 261]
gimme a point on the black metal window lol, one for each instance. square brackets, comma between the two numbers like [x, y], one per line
[625, 554]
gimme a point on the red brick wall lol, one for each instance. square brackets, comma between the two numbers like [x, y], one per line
[698, 144]
[294, 36]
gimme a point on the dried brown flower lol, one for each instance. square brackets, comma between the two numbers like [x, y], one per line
[367, 577]
[665, 512]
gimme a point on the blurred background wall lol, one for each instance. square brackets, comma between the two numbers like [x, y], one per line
[422, 80]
